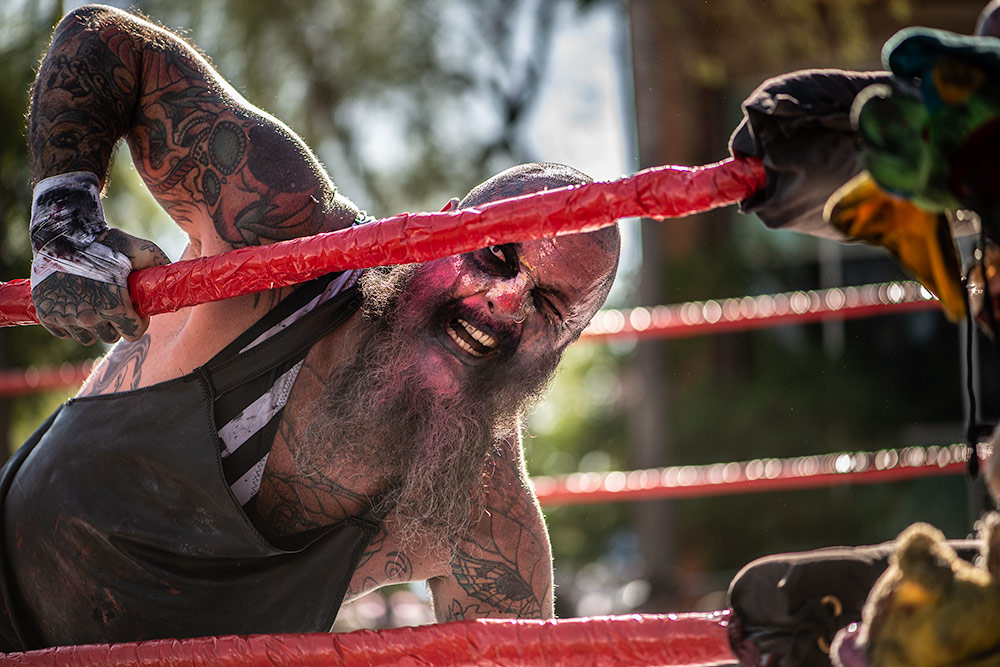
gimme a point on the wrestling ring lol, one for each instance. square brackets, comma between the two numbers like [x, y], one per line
[662, 639]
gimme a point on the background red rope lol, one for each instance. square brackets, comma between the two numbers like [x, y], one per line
[34, 380]
[660, 192]
[693, 318]
[696, 318]
[758, 475]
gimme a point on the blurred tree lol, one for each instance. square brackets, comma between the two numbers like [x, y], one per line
[25, 27]
[778, 392]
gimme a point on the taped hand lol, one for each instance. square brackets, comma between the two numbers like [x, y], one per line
[79, 274]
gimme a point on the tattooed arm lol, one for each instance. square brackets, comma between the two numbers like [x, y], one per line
[226, 172]
[503, 569]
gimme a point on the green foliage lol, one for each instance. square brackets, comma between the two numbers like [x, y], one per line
[581, 428]
[733, 530]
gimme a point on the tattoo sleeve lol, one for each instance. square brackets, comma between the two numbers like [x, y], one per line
[503, 569]
[217, 164]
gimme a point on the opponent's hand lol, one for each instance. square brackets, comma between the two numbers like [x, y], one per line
[799, 124]
[79, 274]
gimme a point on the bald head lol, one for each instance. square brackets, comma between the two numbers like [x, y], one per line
[535, 177]
[522, 179]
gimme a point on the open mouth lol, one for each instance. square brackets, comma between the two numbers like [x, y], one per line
[470, 338]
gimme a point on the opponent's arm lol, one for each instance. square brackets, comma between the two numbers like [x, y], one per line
[227, 173]
[503, 568]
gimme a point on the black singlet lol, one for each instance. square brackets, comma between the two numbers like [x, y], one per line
[119, 525]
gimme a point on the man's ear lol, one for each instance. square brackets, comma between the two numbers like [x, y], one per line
[451, 205]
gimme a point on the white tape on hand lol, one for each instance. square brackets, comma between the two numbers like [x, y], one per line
[66, 219]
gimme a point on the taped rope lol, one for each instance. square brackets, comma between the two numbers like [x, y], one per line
[659, 193]
[636, 641]
[697, 318]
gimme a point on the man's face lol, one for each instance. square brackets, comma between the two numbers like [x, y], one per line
[520, 303]
[453, 353]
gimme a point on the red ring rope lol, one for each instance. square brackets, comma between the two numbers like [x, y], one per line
[696, 318]
[660, 192]
[637, 640]
[693, 318]
[34, 380]
[758, 475]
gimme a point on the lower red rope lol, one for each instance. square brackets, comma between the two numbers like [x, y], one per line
[638, 640]
[660, 192]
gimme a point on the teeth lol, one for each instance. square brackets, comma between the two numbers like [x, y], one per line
[484, 338]
[461, 343]
[486, 343]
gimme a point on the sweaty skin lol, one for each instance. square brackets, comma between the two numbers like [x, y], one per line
[231, 176]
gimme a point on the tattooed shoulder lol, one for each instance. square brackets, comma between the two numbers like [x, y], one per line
[500, 583]
[503, 566]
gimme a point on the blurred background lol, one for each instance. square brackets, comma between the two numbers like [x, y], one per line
[410, 103]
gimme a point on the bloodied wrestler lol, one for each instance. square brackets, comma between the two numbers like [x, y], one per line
[245, 466]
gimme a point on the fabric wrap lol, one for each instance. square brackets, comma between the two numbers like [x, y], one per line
[799, 124]
[786, 608]
[119, 526]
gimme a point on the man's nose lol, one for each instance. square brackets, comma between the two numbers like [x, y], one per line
[509, 300]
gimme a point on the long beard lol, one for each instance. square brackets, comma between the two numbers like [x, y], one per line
[380, 412]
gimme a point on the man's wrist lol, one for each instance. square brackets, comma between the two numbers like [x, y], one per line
[66, 220]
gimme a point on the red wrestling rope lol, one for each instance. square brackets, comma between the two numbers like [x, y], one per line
[660, 192]
[694, 318]
[759, 475]
[638, 640]
[697, 318]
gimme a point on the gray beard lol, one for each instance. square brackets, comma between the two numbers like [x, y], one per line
[381, 414]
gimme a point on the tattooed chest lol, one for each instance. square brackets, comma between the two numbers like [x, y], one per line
[303, 490]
